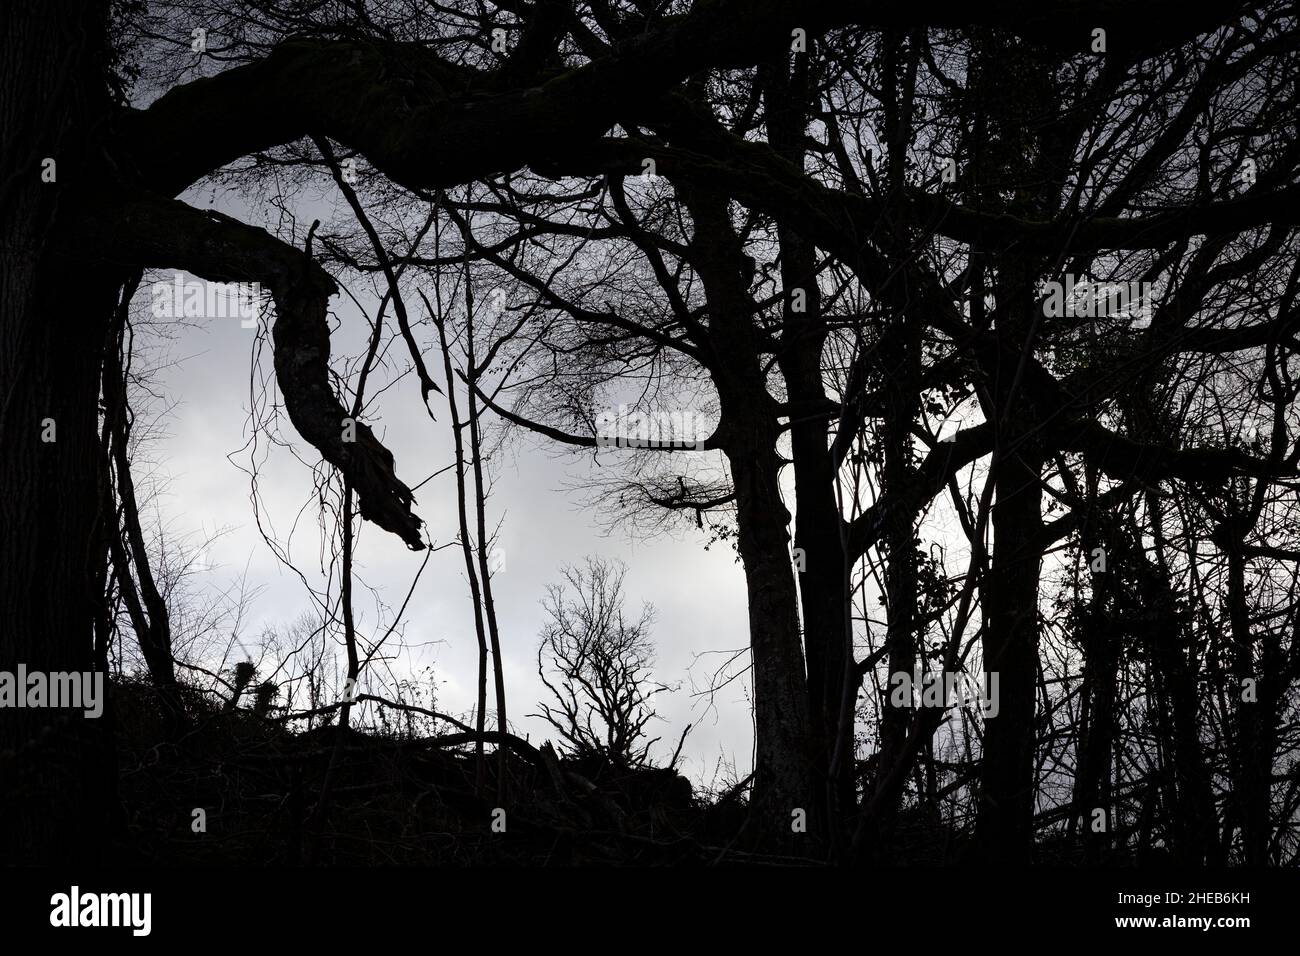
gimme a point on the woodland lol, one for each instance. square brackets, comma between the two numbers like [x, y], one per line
[986, 315]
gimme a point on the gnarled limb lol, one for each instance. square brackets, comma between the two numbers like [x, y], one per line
[429, 123]
[141, 230]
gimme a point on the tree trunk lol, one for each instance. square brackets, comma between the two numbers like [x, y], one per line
[899, 349]
[1004, 826]
[823, 576]
[1092, 785]
[54, 314]
[1172, 648]
[1252, 757]
[784, 746]
[783, 764]
[1017, 83]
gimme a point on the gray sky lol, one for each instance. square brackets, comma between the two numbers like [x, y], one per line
[699, 595]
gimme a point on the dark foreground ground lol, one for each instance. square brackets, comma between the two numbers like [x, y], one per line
[391, 798]
[397, 798]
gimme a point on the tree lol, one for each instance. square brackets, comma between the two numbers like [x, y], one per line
[597, 665]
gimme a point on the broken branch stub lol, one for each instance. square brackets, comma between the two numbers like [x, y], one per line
[142, 230]
[301, 339]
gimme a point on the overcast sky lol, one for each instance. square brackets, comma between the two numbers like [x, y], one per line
[699, 595]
